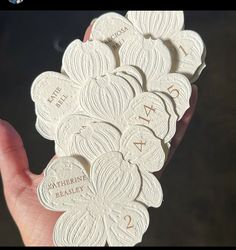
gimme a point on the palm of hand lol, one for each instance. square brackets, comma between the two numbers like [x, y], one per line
[33, 220]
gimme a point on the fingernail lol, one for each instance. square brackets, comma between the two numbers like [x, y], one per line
[93, 21]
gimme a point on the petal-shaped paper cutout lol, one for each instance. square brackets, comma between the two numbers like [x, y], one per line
[115, 179]
[178, 87]
[151, 192]
[44, 114]
[78, 227]
[83, 61]
[113, 29]
[157, 24]
[95, 140]
[173, 115]
[68, 127]
[65, 184]
[126, 224]
[137, 89]
[151, 56]
[189, 49]
[132, 71]
[54, 95]
[106, 98]
[46, 129]
[59, 151]
[149, 110]
[140, 146]
[200, 68]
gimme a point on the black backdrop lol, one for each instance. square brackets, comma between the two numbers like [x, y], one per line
[199, 184]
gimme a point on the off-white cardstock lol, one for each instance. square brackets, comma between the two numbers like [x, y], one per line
[186, 46]
[112, 29]
[151, 56]
[177, 86]
[140, 146]
[77, 135]
[157, 24]
[64, 184]
[55, 95]
[151, 193]
[107, 211]
[150, 110]
[107, 98]
[83, 61]
[190, 50]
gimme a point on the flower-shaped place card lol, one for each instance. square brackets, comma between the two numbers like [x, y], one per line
[57, 95]
[98, 206]
[187, 49]
[112, 113]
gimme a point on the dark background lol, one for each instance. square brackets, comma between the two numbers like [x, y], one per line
[199, 184]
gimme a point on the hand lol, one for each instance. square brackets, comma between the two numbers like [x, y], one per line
[33, 220]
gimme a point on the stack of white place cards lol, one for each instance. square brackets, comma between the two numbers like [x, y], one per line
[112, 113]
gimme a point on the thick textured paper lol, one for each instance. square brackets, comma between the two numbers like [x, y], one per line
[66, 130]
[64, 184]
[46, 129]
[140, 146]
[83, 61]
[190, 49]
[113, 126]
[177, 86]
[107, 98]
[107, 211]
[132, 71]
[150, 110]
[200, 68]
[77, 135]
[151, 56]
[151, 193]
[157, 24]
[113, 29]
[54, 95]
[133, 76]
[186, 46]
[169, 103]
[135, 85]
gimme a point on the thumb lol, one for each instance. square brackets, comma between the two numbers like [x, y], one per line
[14, 166]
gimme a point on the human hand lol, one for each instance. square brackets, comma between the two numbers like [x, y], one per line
[35, 222]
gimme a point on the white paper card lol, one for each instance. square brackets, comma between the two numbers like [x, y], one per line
[108, 212]
[178, 87]
[150, 110]
[151, 193]
[140, 146]
[107, 98]
[64, 184]
[83, 61]
[54, 95]
[77, 135]
[157, 24]
[151, 56]
[113, 29]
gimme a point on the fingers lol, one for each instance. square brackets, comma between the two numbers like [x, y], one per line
[14, 166]
[87, 33]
